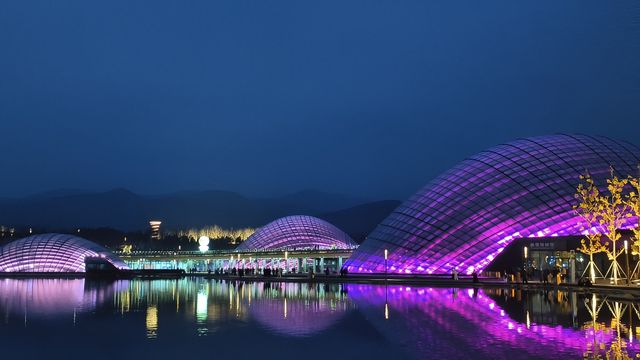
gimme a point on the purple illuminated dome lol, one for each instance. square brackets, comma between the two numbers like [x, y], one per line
[297, 232]
[52, 253]
[465, 217]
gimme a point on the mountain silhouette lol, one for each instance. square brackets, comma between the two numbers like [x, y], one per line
[127, 211]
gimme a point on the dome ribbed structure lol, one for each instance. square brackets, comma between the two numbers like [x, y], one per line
[44, 253]
[297, 232]
[465, 217]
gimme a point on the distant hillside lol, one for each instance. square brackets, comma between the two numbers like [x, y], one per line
[359, 221]
[124, 210]
[314, 202]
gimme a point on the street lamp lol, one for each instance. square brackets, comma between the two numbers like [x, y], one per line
[286, 261]
[386, 257]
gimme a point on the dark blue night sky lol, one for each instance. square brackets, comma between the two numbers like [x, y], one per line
[369, 98]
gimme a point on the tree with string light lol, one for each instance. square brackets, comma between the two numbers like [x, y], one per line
[588, 208]
[614, 211]
[632, 200]
[604, 213]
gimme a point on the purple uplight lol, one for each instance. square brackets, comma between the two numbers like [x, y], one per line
[52, 253]
[465, 217]
[298, 232]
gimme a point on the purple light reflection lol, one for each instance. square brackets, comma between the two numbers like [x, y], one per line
[298, 317]
[51, 297]
[474, 325]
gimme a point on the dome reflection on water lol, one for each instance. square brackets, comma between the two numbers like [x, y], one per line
[52, 297]
[300, 309]
[477, 327]
[291, 309]
[402, 321]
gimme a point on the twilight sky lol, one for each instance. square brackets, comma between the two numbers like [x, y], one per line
[369, 98]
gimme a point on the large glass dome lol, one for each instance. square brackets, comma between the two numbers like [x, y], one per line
[52, 253]
[465, 217]
[297, 232]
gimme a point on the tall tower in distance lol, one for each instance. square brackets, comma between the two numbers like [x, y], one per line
[155, 229]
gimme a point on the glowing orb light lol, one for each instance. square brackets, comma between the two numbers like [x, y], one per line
[203, 241]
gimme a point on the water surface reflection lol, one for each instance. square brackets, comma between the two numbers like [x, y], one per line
[170, 317]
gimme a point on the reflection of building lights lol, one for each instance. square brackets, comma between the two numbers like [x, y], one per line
[152, 322]
[386, 311]
[528, 321]
[285, 308]
[201, 305]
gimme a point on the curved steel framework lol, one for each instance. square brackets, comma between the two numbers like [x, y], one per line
[298, 232]
[465, 217]
[52, 253]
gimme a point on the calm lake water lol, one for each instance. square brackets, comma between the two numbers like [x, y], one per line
[196, 318]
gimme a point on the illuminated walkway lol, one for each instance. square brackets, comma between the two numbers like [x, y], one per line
[287, 260]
